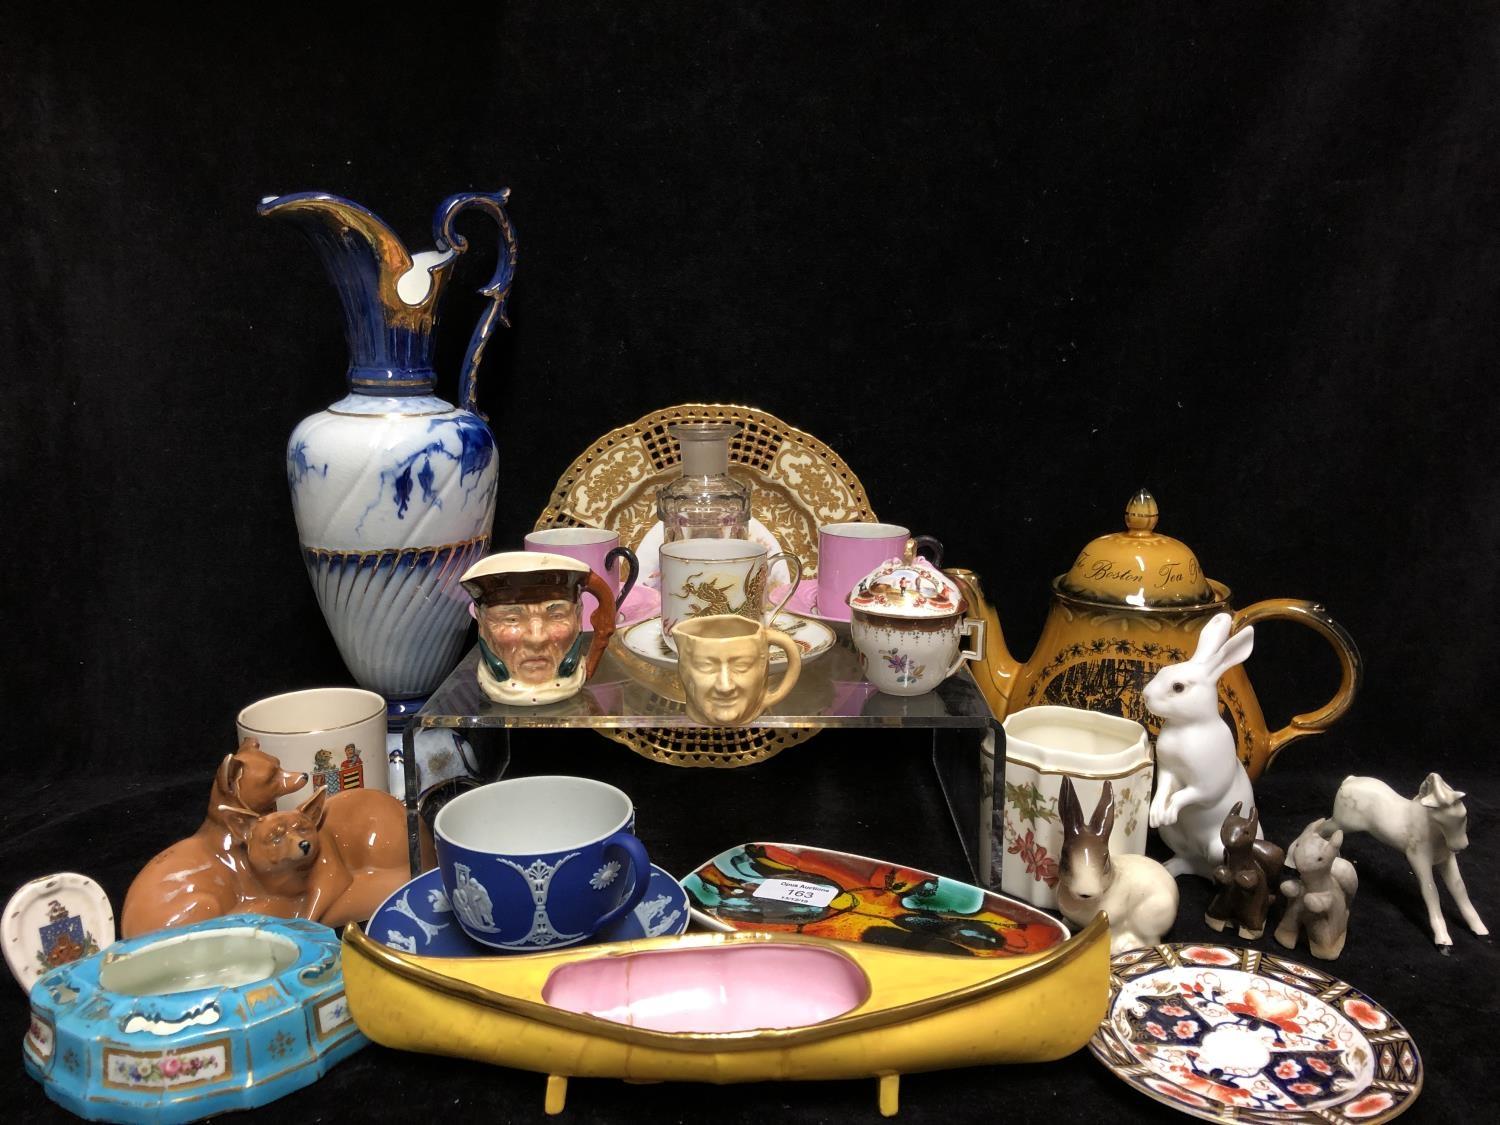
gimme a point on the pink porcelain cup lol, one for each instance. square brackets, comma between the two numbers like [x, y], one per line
[597, 549]
[849, 551]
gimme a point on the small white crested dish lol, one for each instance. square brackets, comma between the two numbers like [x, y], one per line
[54, 920]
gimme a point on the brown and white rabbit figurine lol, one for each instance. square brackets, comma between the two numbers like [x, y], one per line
[1318, 900]
[1136, 892]
[1198, 775]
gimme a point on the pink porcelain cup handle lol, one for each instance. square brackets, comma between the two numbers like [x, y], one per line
[970, 628]
[640, 869]
[793, 666]
[794, 564]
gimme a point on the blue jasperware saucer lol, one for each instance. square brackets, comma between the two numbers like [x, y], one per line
[418, 919]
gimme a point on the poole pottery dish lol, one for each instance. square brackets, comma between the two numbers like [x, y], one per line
[791, 888]
[53, 920]
[813, 638]
[174, 1026]
[419, 918]
[724, 1008]
[1238, 1035]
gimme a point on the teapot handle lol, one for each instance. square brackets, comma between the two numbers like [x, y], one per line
[498, 289]
[1351, 668]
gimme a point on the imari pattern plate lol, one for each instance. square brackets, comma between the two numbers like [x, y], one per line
[1238, 1035]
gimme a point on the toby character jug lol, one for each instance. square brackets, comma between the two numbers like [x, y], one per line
[394, 488]
[1132, 603]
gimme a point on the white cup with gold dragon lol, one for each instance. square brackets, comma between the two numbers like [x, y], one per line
[709, 577]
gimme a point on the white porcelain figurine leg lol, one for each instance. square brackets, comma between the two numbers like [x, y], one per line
[1460, 895]
[1429, 889]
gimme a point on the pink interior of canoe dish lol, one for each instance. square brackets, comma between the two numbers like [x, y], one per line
[725, 988]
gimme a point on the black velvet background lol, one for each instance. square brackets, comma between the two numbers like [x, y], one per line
[1012, 262]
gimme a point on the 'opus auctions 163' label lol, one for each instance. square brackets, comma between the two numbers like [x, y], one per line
[816, 895]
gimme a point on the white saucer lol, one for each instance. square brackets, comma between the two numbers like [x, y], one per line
[53, 920]
[813, 637]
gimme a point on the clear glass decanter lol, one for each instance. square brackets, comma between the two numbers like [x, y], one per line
[705, 502]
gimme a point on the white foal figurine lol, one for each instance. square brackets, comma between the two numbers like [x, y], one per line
[1430, 829]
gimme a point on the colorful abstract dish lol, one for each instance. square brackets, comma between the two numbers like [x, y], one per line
[1238, 1035]
[419, 919]
[788, 888]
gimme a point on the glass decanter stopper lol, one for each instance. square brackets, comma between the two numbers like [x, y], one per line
[705, 502]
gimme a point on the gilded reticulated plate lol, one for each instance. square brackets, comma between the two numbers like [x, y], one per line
[1230, 1034]
[797, 482]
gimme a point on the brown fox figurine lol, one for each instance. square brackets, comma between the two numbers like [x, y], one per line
[334, 859]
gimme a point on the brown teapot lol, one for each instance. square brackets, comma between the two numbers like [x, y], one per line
[1132, 603]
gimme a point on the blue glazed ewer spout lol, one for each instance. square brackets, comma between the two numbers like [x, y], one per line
[391, 296]
[393, 487]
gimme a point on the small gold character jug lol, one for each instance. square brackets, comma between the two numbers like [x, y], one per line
[1132, 603]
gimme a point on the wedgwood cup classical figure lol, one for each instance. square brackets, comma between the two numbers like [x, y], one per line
[1131, 603]
[907, 621]
[540, 862]
[724, 663]
[848, 552]
[530, 610]
[705, 577]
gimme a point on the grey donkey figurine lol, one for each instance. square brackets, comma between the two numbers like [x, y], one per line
[1318, 900]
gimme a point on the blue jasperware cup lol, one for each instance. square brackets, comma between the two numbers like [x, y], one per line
[538, 863]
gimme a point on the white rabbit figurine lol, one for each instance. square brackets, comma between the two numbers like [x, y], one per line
[1199, 777]
[1136, 892]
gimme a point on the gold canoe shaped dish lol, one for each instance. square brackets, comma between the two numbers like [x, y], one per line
[737, 1007]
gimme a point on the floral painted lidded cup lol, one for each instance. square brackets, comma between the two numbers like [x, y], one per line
[531, 638]
[907, 622]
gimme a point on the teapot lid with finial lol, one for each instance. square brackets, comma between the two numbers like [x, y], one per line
[1138, 566]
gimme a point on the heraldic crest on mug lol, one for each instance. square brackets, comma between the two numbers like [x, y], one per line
[530, 610]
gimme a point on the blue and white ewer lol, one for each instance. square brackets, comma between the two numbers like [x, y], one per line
[393, 488]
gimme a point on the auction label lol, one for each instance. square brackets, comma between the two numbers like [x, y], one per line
[793, 890]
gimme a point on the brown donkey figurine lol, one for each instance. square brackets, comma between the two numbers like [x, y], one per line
[1246, 876]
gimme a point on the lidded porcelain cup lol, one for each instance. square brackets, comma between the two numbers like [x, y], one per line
[907, 622]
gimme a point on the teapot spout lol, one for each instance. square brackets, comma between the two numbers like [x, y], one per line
[996, 672]
[389, 296]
